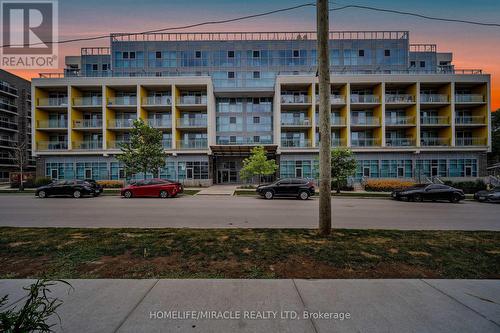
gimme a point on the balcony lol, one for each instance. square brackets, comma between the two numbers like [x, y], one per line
[400, 121]
[400, 142]
[6, 142]
[470, 142]
[59, 103]
[52, 124]
[296, 143]
[295, 99]
[370, 142]
[192, 144]
[365, 121]
[167, 143]
[364, 99]
[121, 123]
[8, 89]
[160, 123]
[334, 99]
[117, 144]
[435, 142]
[157, 101]
[469, 98]
[244, 141]
[192, 100]
[87, 145]
[4, 106]
[435, 121]
[470, 120]
[51, 145]
[186, 123]
[123, 102]
[87, 102]
[434, 98]
[87, 123]
[338, 142]
[399, 99]
[299, 122]
[7, 125]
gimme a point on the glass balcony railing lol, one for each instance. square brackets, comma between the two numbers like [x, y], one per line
[54, 102]
[87, 145]
[365, 121]
[464, 142]
[52, 145]
[244, 141]
[334, 121]
[434, 98]
[8, 89]
[334, 99]
[400, 142]
[355, 98]
[399, 120]
[87, 123]
[167, 143]
[470, 120]
[160, 123]
[296, 122]
[121, 123]
[295, 99]
[192, 100]
[338, 142]
[4, 105]
[191, 122]
[117, 144]
[469, 98]
[370, 142]
[157, 100]
[435, 120]
[88, 101]
[435, 142]
[192, 144]
[8, 125]
[399, 98]
[122, 101]
[296, 143]
[53, 124]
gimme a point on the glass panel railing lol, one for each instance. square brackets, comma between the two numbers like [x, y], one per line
[338, 142]
[8, 125]
[472, 120]
[121, 123]
[244, 141]
[167, 143]
[469, 98]
[365, 142]
[355, 98]
[122, 101]
[157, 100]
[334, 99]
[400, 142]
[295, 99]
[365, 121]
[52, 145]
[296, 143]
[117, 144]
[399, 120]
[87, 123]
[59, 123]
[192, 144]
[399, 98]
[434, 98]
[161, 123]
[296, 122]
[191, 122]
[8, 89]
[87, 145]
[192, 100]
[57, 102]
[464, 142]
[87, 101]
[435, 142]
[435, 120]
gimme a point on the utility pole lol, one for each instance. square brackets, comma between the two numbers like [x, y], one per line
[325, 163]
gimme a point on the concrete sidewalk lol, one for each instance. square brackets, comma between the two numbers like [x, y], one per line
[271, 305]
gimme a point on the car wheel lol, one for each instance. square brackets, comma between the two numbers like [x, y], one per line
[418, 198]
[164, 194]
[269, 195]
[42, 194]
[455, 198]
[77, 194]
[127, 194]
[303, 195]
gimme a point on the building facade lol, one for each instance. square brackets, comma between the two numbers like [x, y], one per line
[15, 121]
[403, 109]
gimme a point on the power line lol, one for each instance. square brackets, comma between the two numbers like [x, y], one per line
[416, 15]
[266, 14]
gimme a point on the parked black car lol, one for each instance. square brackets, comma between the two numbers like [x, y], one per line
[74, 188]
[288, 187]
[97, 188]
[492, 195]
[432, 192]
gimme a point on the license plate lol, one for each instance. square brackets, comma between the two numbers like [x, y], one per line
[482, 198]
[97, 191]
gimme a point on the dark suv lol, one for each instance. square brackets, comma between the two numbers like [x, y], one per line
[288, 187]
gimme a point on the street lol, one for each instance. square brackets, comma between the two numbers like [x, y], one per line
[243, 212]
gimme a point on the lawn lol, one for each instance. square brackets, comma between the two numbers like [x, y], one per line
[246, 253]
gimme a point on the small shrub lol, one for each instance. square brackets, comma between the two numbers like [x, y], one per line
[386, 185]
[248, 187]
[111, 183]
[343, 186]
[468, 187]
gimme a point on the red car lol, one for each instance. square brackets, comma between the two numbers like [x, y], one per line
[152, 188]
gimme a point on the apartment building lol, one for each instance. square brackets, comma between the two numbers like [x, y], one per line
[402, 108]
[15, 121]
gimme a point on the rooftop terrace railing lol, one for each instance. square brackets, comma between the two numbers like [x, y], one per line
[423, 47]
[95, 51]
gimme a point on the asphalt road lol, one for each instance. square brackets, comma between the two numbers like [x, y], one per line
[243, 212]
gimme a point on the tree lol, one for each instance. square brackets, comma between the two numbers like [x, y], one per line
[20, 157]
[144, 153]
[343, 165]
[257, 164]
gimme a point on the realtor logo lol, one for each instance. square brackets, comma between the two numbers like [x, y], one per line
[29, 33]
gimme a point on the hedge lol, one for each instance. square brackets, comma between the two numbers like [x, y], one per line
[386, 185]
[469, 187]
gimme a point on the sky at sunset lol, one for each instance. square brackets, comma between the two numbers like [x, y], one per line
[474, 47]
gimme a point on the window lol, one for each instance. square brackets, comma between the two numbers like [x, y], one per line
[256, 75]
[95, 67]
[197, 54]
[256, 120]
[361, 53]
[230, 54]
[296, 53]
[105, 67]
[132, 55]
[256, 54]
[422, 64]
[232, 120]
[158, 55]
[256, 139]
[125, 55]
[230, 75]
[387, 53]
[412, 64]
